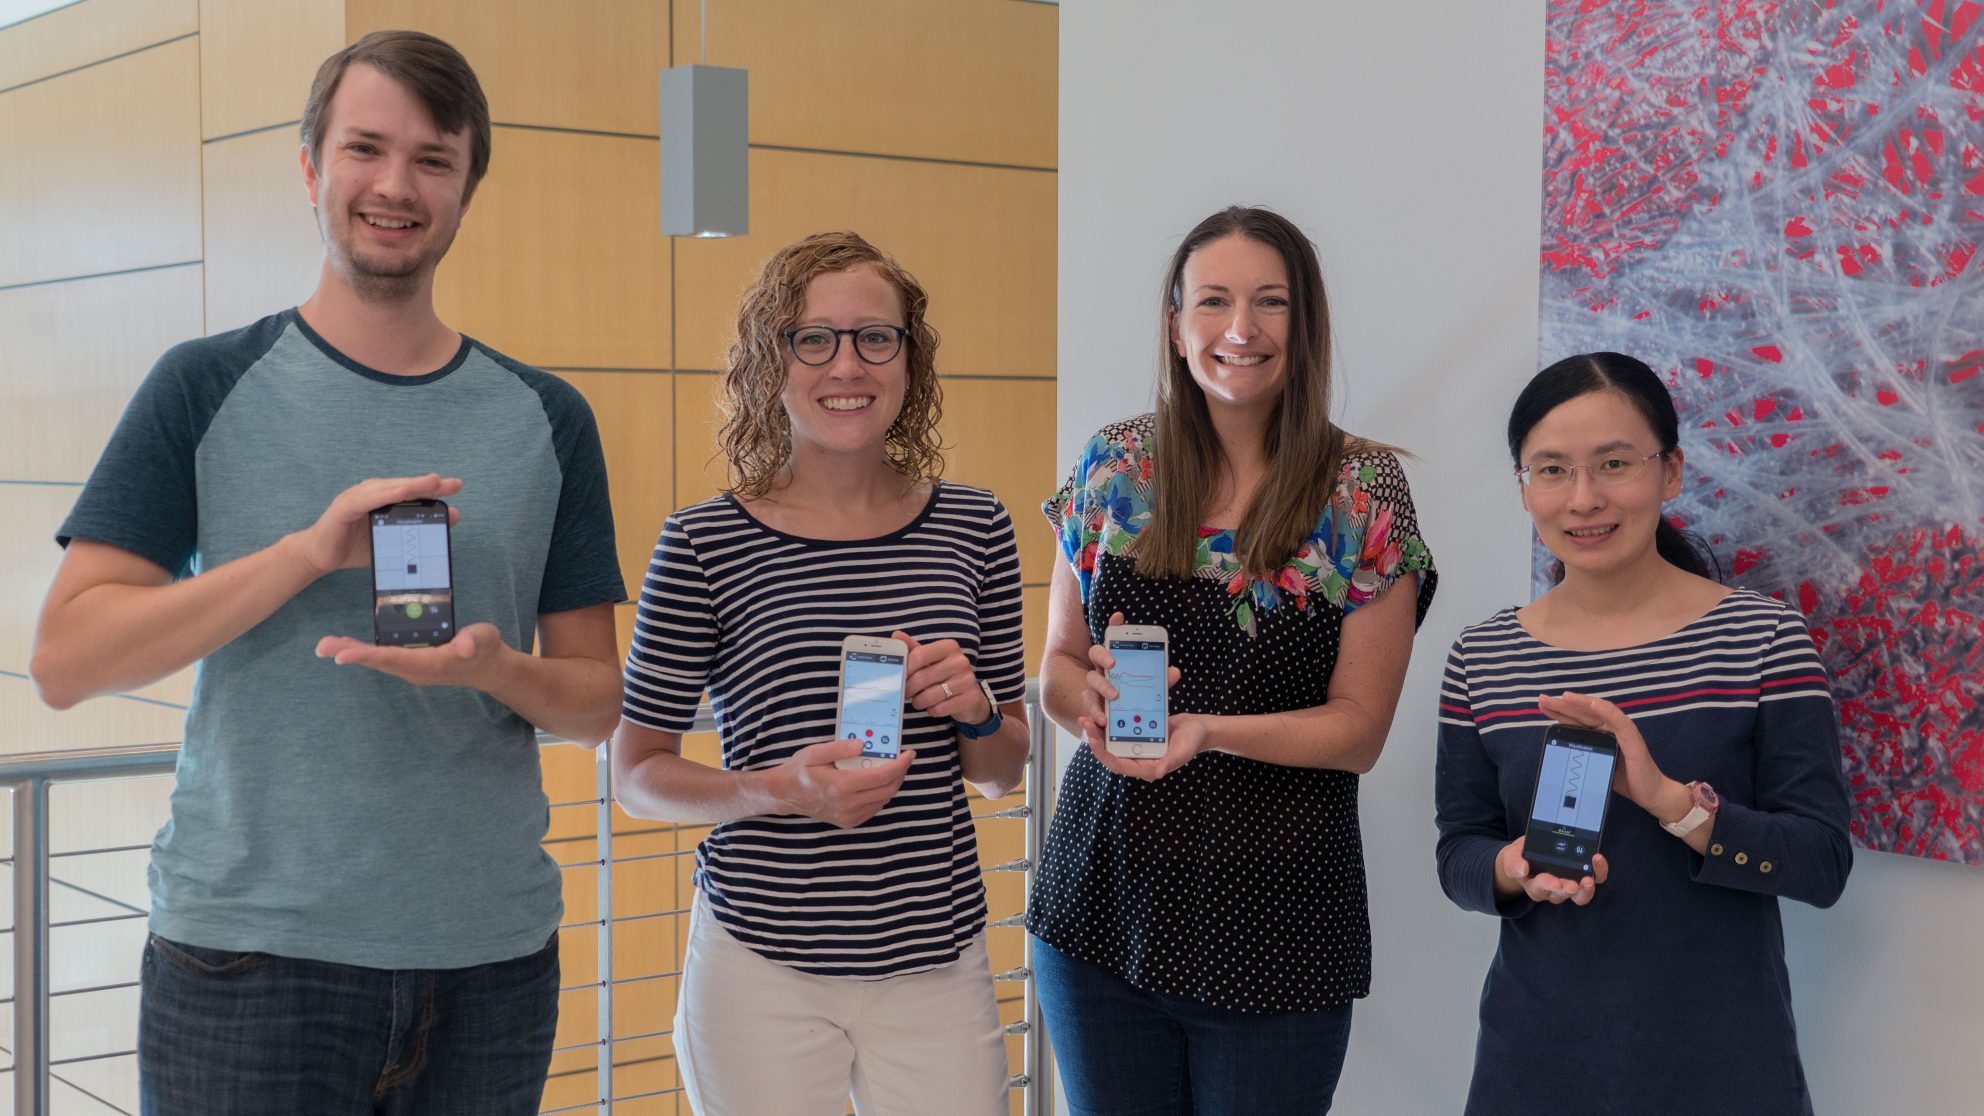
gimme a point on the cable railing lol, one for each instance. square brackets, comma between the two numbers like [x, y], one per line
[30, 778]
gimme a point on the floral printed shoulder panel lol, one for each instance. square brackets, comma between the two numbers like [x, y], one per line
[1366, 537]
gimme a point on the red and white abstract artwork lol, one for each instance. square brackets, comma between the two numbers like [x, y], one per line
[1778, 205]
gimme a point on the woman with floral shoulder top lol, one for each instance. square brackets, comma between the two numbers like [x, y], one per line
[1200, 916]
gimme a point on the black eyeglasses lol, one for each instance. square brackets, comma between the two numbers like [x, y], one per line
[818, 345]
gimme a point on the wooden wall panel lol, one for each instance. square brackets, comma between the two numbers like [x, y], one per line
[263, 250]
[591, 64]
[1035, 603]
[699, 472]
[28, 557]
[1001, 434]
[26, 725]
[102, 171]
[561, 261]
[635, 412]
[623, 619]
[89, 32]
[980, 241]
[258, 57]
[574, 1081]
[647, 1066]
[74, 354]
[970, 81]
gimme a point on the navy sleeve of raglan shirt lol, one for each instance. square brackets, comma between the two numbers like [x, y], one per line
[582, 567]
[143, 495]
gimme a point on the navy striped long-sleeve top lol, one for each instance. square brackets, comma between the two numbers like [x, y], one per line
[1668, 993]
[757, 617]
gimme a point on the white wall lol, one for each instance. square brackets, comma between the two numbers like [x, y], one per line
[1406, 138]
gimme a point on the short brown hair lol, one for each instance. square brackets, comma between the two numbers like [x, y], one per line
[756, 438]
[434, 72]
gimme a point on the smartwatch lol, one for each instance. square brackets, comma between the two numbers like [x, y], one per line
[1704, 803]
[987, 727]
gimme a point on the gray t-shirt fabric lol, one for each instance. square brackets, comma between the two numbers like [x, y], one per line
[337, 813]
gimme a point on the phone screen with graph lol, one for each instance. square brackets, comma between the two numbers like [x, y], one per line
[1137, 716]
[1573, 791]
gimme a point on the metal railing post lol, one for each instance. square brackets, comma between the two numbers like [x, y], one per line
[31, 946]
[1040, 768]
[603, 828]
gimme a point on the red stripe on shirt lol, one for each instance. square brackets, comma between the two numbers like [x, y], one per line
[1749, 691]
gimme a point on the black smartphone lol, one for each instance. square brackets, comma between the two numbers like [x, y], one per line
[1573, 791]
[413, 576]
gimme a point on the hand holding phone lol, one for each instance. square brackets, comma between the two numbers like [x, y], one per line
[413, 597]
[1135, 723]
[1514, 876]
[1568, 808]
[341, 536]
[811, 783]
[872, 671]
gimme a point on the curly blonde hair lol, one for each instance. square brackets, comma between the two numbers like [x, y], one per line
[756, 437]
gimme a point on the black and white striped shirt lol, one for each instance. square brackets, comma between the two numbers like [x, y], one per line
[757, 617]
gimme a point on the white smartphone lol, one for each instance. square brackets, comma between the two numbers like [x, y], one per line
[1136, 719]
[871, 684]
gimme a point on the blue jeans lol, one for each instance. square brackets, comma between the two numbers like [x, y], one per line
[1122, 1051]
[222, 1033]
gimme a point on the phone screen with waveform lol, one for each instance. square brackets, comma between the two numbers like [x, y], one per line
[1573, 790]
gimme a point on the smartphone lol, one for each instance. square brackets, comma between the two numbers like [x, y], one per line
[1573, 791]
[1136, 719]
[871, 685]
[413, 576]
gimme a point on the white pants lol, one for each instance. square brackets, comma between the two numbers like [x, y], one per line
[757, 1038]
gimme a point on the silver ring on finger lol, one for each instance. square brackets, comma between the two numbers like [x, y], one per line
[946, 687]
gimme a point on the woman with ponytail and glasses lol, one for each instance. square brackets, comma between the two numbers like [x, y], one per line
[1200, 916]
[1655, 984]
[837, 939]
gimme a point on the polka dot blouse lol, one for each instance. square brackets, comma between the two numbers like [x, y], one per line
[1231, 881]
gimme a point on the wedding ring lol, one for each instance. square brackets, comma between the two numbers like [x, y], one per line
[946, 687]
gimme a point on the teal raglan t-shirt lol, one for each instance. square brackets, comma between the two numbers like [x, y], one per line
[337, 813]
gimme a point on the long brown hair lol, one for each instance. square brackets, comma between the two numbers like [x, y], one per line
[756, 438]
[1306, 448]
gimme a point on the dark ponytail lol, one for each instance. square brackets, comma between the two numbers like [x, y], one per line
[1589, 372]
[1684, 549]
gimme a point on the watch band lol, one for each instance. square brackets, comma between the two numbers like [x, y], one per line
[987, 727]
[1704, 801]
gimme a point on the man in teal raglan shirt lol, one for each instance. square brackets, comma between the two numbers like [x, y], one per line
[351, 908]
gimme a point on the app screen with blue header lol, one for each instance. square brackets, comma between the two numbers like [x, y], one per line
[1138, 711]
[871, 703]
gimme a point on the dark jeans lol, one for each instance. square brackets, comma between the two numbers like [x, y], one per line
[222, 1033]
[1121, 1051]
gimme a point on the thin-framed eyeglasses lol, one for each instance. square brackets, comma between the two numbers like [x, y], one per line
[1618, 468]
[818, 345]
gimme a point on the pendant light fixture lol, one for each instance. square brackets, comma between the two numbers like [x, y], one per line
[705, 148]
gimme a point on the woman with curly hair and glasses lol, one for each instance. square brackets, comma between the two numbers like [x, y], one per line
[836, 941]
